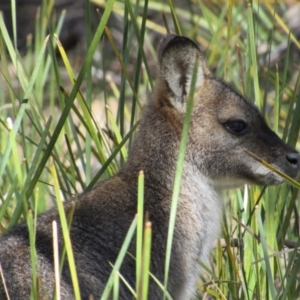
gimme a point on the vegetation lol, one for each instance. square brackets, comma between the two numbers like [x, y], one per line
[58, 119]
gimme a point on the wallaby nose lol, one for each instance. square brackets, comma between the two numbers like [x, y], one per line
[293, 158]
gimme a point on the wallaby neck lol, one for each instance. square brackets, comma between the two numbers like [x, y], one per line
[154, 152]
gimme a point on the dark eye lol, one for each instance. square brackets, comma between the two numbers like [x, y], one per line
[236, 126]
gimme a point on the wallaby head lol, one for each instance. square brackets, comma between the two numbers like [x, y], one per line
[223, 125]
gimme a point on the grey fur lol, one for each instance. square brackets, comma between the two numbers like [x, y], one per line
[215, 159]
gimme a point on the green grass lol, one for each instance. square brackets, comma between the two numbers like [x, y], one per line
[49, 141]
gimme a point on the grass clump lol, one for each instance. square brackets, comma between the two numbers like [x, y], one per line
[51, 133]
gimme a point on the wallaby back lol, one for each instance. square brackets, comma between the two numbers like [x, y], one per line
[223, 126]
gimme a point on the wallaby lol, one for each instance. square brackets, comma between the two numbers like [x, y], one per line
[223, 125]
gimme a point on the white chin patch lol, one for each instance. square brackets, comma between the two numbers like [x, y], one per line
[261, 174]
[228, 183]
[260, 170]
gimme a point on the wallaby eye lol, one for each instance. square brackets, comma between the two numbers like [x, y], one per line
[236, 126]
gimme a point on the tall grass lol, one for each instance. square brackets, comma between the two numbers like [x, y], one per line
[50, 136]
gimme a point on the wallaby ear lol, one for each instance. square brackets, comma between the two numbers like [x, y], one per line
[177, 58]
